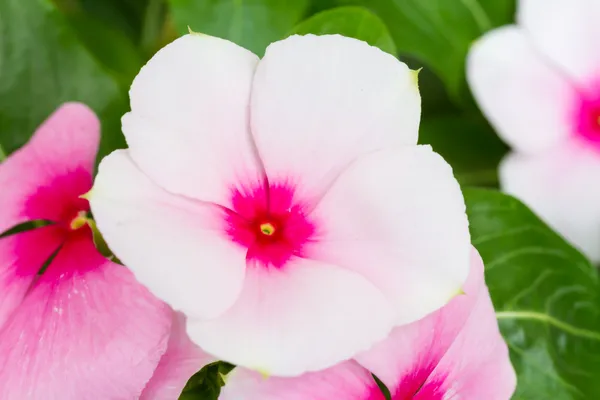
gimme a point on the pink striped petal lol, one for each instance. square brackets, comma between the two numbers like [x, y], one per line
[47, 175]
[21, 258]
[345, 381]
[86, 330]
[181, 360]
[457, 352]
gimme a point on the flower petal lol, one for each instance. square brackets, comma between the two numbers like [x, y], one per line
[397, 217]
[181, 360]
[60, 156]
[457, 351]
[86, 330]
[567, 31]
[529, 103]
[189, 125]
[318, 102]
[345, 381]
[304, 317]
[561, 186]
[22, 256]
[175, 246]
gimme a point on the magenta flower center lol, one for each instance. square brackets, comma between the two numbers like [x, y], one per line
[270, 223]
[588, 119]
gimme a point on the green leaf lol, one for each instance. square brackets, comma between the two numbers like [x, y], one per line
[466, 142]
[439, 32]
[547, 297]
[355, 22]
[110, 47]
[42, 64]
[252, 24]
[206, 384]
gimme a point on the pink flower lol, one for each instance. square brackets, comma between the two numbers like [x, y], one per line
[455, 353]
[282, 204]
[82, 328]
[539, 84]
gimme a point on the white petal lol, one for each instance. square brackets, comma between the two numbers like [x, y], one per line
[176, 247]
[318, 102]
[188, 129]
[530, 104]
[561, 186]
[398, 218]
[304, 317]
[567, 31]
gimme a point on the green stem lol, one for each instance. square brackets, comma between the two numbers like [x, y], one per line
[536, 316]
[2, 154]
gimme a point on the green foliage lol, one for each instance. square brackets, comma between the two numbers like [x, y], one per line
[547, 296]
[355, 22]
[252, 24]
[42, 64]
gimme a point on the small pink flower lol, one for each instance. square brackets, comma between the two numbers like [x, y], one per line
[282, 204]
[539, 84]
[83, 328]
[455, 353]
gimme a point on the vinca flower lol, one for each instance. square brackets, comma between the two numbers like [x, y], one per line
[539, 84]
[74, 325]
[283, 204]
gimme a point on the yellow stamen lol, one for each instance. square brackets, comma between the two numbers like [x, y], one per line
[267, 229]
[79, 221]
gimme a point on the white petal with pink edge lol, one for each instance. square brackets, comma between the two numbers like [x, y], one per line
[345, 381]
[175, 246]
[304, 317]
[181, 360]
[561, 186]
[531, 105]
[456, 352]
[318, 102]
[567, 32]
[397, 217]
[42, 163]
[188, 128]
[86, 330]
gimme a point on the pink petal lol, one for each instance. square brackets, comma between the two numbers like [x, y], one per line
[304, 317]
[345, 381]
[561, 186]
[318, 102]
[457, 351]
[86, 330]
[397, 217]
[47, 175]
[22, 256]
[181, 360]
[189, 125]
[566, 32]
[530, 103]
[177, 247]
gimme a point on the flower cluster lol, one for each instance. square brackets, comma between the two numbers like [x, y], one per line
[281, 207]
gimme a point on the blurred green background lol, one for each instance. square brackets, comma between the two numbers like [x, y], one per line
[546, 293]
